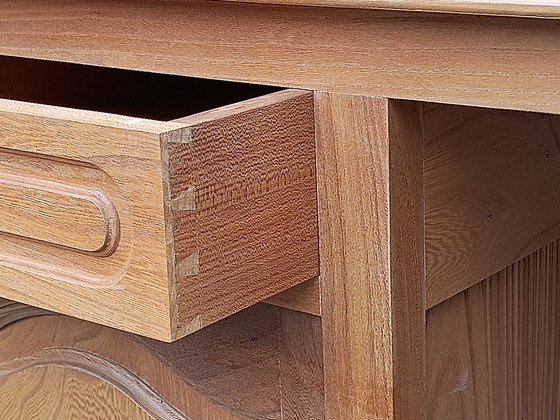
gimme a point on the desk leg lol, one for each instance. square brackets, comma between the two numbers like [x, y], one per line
[371, 204]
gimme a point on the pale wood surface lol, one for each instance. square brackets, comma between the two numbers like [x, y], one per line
[102, 153]
[356, 295]
[493, 350]
[301, 366]
[55, 217]
[305, 297]
[506, 63]
[43, 393]
[528, 8]
[11, 311]
[372, 308]
[492, 192]
[407, 257]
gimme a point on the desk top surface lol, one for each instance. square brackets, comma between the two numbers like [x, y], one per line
[527, 8]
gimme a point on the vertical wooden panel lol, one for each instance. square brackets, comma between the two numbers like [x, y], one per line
[407, 260]
[251, 226]
[492, 192]
[369, 157]
[494, 349]
[301, 366]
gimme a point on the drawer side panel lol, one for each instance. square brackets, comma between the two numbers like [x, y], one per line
[243, 205]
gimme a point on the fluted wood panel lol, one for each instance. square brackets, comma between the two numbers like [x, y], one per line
[493, 351]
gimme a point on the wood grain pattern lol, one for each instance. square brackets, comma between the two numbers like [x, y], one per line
[43, 393]
[235, 221]
[250, 230]
[371, 221]
[129, 391]
[55, 365]
[301, 366]
[493, 350]
[103, 153]
[199, 375]
[491, 192]
[54, 217]
[506, 63]
[14, 311]
[305, 297]
[523, 8]
[234, 362]
[407, 257]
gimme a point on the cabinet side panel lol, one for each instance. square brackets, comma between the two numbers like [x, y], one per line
[492, 192]
[494, 349]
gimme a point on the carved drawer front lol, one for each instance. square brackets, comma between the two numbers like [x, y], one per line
[155, 227]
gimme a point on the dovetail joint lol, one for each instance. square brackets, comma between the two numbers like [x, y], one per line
[182, 135]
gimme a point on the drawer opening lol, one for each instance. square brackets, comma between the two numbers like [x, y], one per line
[138, 94]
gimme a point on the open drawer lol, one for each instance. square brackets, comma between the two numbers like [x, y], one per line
[161, 216]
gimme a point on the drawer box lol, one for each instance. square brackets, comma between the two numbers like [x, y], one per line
[155, 227]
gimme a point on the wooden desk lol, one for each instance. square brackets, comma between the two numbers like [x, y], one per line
[438, 163]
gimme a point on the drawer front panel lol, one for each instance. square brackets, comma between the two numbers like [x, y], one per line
[123, 283]
[58, 218]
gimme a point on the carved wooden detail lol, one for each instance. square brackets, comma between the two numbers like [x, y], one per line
[14, 311]
[146, 398]
[240, 368]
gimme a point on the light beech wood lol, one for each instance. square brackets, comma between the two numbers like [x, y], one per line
[506, 63]
[43, 393]
[55, 364]
[493, 350]
[492, 195]
[301, 366]
[401, 229]
[14, 311]
[52, 215]
[200, 217]
[371, 221]
[102, 153]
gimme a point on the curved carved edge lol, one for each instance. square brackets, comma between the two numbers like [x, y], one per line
[116, 375]
[239, 368]
[228, 372]
[14, 311]
[234, 363]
